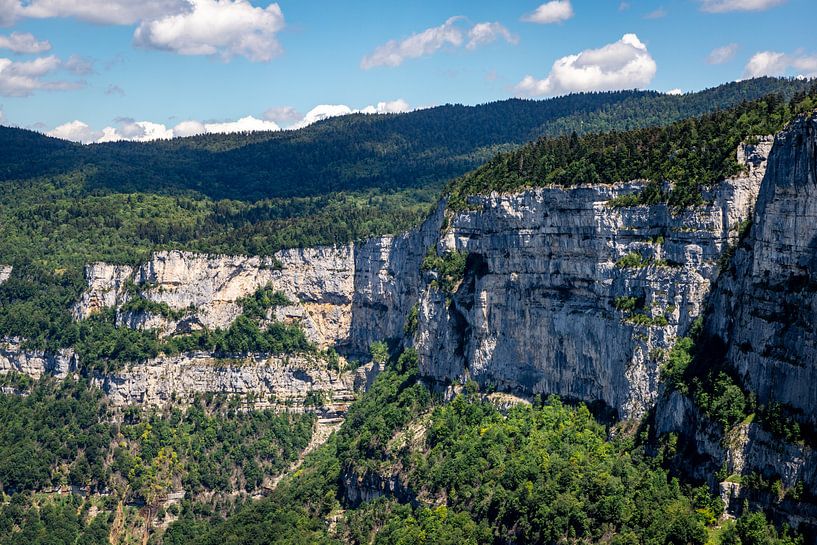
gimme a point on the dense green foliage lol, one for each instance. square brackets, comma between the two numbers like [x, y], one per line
[50, 430]
[60, 521]
[543, 473]
[449, 267]
[357, 152]
[64, 433]
[690, 153]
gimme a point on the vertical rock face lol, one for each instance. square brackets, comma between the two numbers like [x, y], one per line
[765, 311]
[538, 310]
[762, 324]
[206, 289]
[388, 282]
[35, 363]
[106, 288]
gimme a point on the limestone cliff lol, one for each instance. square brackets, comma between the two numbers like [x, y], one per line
[761, 326]
[539, 309]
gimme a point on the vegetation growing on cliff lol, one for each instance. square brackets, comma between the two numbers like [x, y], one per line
[60, 434]
[691, 153]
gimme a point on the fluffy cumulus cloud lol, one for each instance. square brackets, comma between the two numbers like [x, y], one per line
[116, 12]
[21, 79]
[720, 55]
[394, 52]
[141, 131]
[675, 91]
[773, 63]
[449, 34]
[723, 6]
[555, 11]
[485, 33]
[625, 64]
[223, 28]
[24, 42]
[75, 130]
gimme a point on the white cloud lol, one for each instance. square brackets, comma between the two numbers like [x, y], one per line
[625, 64]
[114, 12]
[75, 130]
[321, 112]
[24, 78]
[555, 11]
[24, 42]
[2, 114]
[245, 124]
[722, 6]
[675, 91]
[720, 55]
[390, 107]
[128, 129]
[283, 114]
[773, 63]
[393, 53]
[114, 89]
[485, 33]
[142, 131]
[224, 28]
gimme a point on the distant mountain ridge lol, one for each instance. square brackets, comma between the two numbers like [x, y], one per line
[419, 149]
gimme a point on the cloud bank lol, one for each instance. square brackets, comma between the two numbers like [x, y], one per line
[142, 131]
[773, 63]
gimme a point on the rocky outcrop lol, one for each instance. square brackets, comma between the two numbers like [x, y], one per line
[536, 311]
[293, 383]
[5, 273]
[764, 312]
[205, 290]
[16, 358]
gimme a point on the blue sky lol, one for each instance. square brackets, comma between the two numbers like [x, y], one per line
[139, 69]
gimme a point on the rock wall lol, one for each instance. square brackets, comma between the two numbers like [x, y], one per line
[536, 311]
[206, 289]
[765, 311]
[278, 382]
[14, 357]
[761, 323]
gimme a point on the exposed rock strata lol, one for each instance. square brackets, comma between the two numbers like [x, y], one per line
[762, 325]
[14, 357]
[279, 382]
[536, 310]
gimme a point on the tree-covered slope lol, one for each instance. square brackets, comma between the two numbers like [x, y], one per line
[688, 153]
[357, 152]
[470, 472]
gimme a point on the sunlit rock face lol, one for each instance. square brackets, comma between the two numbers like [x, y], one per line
[537, 308]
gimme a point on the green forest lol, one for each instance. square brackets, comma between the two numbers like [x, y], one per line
[471, 473]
